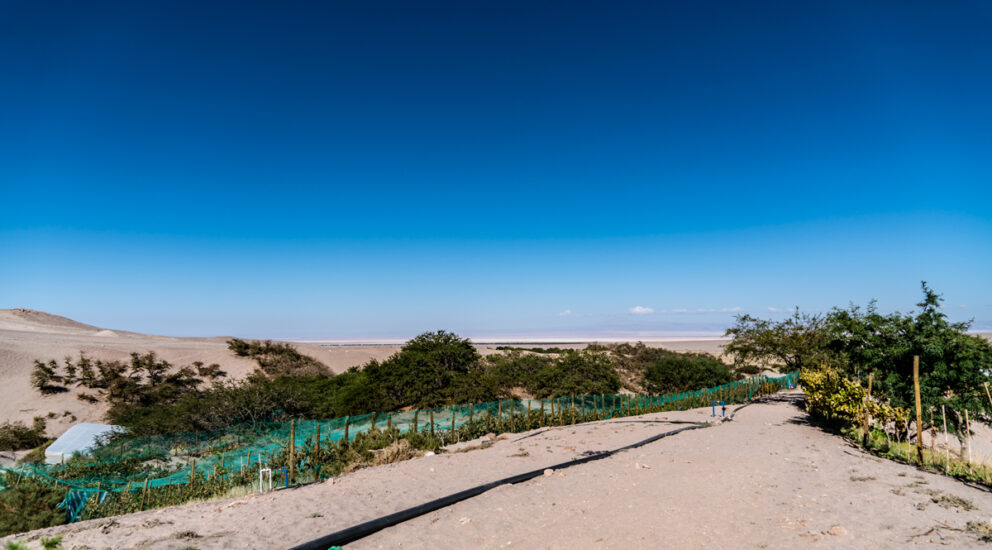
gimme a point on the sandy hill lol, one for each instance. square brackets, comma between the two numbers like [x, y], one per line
[27, 335]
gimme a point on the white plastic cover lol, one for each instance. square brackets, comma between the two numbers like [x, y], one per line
[78, 439]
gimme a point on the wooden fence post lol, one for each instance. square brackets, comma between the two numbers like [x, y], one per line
[452, 420]
[947, 449]
[318, 438]
[292, 449]
[864, 441]
[919, 409]
[347, 423]
[967, 429]
[416, 415]
[432, 422]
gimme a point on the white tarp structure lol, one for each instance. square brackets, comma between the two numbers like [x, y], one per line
[78, 439]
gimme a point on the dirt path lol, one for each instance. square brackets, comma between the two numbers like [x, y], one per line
[765, 480]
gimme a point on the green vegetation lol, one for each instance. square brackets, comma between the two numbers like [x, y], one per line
[150, 396]
[28, 504]
[669, 374]
[858, 342]
[16, 436]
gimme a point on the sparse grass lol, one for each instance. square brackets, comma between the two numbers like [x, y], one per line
[863, 478]
[982, 529]
[937, 462]
[951, 501]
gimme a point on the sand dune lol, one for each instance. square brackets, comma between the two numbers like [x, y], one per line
[766, 480]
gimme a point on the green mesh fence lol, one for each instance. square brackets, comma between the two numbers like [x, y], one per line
[151, 462]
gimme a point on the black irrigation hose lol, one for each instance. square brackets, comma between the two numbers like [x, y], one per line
[362, 530]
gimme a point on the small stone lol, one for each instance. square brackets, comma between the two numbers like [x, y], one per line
[837, 531]
[549, 472]
[463, 521]
[330, 481]
[640, 466]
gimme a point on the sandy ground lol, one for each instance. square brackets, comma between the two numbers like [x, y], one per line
[27, 335]
[768, 479]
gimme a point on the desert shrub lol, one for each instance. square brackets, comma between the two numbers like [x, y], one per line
[250, 401]
[682, 372]
[574, 373]
[28, 504]
[278, 358]
[46, 379]
[15, 436]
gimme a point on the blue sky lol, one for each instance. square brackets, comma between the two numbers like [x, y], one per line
[373, 170]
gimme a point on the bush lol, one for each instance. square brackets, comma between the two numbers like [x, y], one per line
[278, 358]
[16, 436]
[28, 504]
[679, 373]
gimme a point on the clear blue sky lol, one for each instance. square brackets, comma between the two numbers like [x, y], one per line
[376, 169]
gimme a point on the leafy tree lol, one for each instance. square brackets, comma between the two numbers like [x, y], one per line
[954, 365]
[794, 343]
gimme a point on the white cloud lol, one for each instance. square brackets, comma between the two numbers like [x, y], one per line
[775, 310]
[641, 310]
[730, 309]
[565, 313]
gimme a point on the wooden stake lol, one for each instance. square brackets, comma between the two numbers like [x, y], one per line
[967, 429]
[292, 448]
[192, 470]
[347, 423]
[471, 413]
[318, 438]
[933, 433]
[986, 384]
[373, 421]
[947, 449]
[432, 422]
[919, 409]
[871, 378]
[416, 415]
[452, 421]
[500, 414]
[389, 421]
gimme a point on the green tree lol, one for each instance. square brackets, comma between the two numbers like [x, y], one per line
[794, 343]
